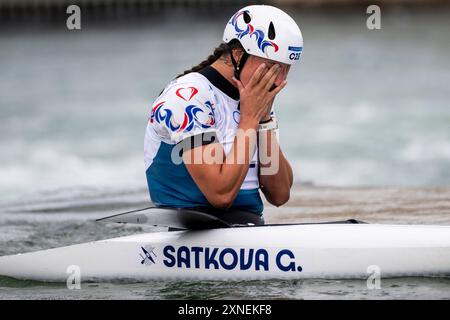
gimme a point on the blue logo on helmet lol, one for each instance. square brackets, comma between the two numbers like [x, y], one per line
[296, 52]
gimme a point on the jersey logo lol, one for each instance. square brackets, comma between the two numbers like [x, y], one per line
[186, 93]
[194, 116]
[236, 116]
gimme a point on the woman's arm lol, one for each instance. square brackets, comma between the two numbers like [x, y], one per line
[275, 175]
[221, 180]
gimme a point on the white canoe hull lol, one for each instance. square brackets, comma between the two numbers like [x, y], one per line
[332, 251]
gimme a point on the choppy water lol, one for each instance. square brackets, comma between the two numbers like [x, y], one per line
[364, 108]
[406, 288]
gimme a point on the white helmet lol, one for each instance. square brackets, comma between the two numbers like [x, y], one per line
[266, 32]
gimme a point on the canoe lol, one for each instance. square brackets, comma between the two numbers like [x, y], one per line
[294, 251]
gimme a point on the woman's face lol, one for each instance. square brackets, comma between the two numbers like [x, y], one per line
[253, 62]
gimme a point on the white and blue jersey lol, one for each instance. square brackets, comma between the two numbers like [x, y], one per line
[202, 104]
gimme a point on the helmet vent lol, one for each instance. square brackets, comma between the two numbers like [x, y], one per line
[271, 33]
[247, 17]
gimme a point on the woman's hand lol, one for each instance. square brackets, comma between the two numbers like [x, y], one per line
[257, 97]
[268, 115]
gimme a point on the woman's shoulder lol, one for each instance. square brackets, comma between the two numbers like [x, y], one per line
[183, 109]
[187, 87]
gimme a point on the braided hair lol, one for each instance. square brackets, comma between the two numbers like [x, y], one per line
[219, 51]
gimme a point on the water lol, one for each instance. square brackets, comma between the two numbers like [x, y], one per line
[364, 108]
[249, 290]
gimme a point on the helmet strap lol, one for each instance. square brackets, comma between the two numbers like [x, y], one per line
[238, 68]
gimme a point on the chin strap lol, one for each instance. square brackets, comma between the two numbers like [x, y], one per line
[238, 68]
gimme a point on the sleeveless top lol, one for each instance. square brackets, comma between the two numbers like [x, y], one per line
[195, 109]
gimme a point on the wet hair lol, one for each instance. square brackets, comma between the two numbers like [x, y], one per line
[221, 50]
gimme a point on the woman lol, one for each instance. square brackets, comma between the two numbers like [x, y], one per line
[218, 118]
